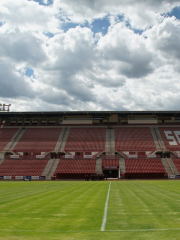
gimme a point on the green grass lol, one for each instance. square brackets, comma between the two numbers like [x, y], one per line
[74, 210]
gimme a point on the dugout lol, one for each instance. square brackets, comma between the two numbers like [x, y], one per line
[111, 172]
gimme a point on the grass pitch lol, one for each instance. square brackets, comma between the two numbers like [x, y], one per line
[74, 210]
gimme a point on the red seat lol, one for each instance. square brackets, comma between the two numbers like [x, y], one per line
[38, 140]
[22, 167]
[76, 166]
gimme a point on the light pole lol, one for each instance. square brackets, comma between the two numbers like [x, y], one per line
[4, 107]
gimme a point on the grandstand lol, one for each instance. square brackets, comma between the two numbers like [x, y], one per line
[73, 145]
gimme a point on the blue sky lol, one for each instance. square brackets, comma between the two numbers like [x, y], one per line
[100, 25]
[175, 12]
[90, 55]
[29, 72]
[97, 26]
[1, 23]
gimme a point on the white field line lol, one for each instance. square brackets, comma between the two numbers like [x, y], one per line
[91, 231]
[145, 230]
[105, 210]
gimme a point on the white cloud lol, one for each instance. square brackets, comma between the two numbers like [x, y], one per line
[81, 70]
[13, 84]
[165, 38]
[141, 14]
[22, 47]
[28, 16]
[127, 51]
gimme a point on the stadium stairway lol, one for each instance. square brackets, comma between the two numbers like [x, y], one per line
[58, 144]
[110, 142]
[7, 147]
[166, 166]
[173, 166]
[64, 139]
[160, 138]
[155, 138]
[98, 168]
[54, 163]
[11, 145]
[47, 168]
[122, 165]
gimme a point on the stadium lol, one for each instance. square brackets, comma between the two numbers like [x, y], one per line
[90, 144]
[72, 145]
[47, 156]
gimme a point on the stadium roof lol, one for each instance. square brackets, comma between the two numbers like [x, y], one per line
[107, 113]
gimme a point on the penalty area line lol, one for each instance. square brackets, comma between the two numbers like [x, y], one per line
[105, 210]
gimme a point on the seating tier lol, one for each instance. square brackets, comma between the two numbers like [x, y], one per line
[38, 140]
[86, 139]
[177, 163]
[170, 137]
[144, 166]
[22, 167]
[110, 163]
[76, 166]
[5, 136]
[134, 139]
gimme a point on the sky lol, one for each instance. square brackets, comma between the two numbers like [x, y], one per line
[59, 55]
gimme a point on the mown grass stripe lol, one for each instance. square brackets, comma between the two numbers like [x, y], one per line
[62, 210]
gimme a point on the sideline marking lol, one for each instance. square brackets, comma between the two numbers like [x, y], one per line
[144, 230]
[105, 210]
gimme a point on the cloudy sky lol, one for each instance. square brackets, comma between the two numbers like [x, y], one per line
[90, 55]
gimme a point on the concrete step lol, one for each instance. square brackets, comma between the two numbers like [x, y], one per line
[98, 168]
[112, 140]
[176, 172]
[59, 141]
[1, 156]
[18, 137]
[12, 139]
[166, 166]
[160, 138]
[63, 142]
[53, 168]
[155, 138]
[108, 144]
[122, 165]
[48, 165]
